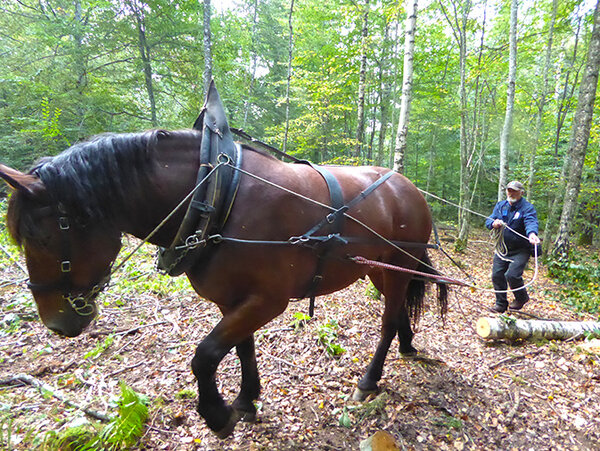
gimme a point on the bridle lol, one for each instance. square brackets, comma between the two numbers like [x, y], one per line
[81, 303]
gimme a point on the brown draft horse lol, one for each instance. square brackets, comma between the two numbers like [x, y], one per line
[69, 211]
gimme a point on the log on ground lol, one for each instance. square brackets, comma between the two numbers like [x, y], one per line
[502, 327]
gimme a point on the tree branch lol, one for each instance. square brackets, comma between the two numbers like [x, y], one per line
[45, 388]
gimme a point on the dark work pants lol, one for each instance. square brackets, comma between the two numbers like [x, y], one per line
[510, 273]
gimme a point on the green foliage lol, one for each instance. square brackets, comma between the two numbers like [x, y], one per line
[579, 280]
[186, 393]
[362, 411]
[67, 75]
[100, 347]
[122, 432]
[300, 320]
[327, 334]
[449, 422]
[372, 292]
[126, 429]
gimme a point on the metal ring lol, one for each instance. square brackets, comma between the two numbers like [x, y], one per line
[224, 158]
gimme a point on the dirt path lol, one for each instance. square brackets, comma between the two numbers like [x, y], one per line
[467, 394]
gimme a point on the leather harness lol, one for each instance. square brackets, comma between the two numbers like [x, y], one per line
[215, 194]
[212, 201]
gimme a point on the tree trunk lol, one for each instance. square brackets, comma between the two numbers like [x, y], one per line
[579, 139]
[407, 76]
[593, 210]
[459, 27]
[542, 94]
[384, 87]
[253, 64]
[494, 328]
[146, 61]
[563, 100]
[207, 74]
[289, 76]
[510, 101]
[80, 68]
[362, 77]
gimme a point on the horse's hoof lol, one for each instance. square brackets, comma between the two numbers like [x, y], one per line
[230, 426]
[360, 395]
[409, 353]
[247, 417]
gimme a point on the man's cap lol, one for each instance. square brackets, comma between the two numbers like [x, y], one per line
[517, 186]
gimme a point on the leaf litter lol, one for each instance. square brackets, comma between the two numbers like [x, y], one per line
[462, 393]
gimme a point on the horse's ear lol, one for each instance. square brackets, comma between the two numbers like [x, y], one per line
[28, 184]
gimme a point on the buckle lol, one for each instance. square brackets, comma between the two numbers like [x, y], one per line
[65, 266]
[63, 223]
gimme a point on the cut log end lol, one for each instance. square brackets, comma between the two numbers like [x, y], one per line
[483, 327]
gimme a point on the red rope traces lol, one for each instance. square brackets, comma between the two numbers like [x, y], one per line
[374, 263]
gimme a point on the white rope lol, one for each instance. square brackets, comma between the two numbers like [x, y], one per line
[487, 290]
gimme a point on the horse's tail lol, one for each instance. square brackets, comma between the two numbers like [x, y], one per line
[416, 291]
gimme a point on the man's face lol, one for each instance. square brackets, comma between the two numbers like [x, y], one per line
[513, 195]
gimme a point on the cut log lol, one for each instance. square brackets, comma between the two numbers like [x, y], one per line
[503, 327]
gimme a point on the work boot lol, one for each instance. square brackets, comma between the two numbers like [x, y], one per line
[498, 308]
[518, 304]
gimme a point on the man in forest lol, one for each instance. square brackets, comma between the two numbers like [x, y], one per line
[516, 224]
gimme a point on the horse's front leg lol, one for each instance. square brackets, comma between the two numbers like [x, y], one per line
[235, 329]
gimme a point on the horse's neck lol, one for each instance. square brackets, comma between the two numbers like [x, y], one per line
[173, 178]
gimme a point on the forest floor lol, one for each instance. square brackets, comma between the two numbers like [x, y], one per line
[466, 394]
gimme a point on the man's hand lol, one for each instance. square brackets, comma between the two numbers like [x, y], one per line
[533, 239]
[498, 223]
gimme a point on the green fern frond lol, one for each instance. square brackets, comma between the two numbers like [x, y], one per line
[126, 429]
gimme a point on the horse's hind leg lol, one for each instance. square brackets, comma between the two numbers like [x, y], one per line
[250, 389]
[394, 289]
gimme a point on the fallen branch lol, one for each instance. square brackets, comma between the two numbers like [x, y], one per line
[506, 327]
[513, 411]
[97, 333]
[47, 389]
[515, 357]
[127, 368]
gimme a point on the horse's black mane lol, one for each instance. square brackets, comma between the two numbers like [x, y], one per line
[91, 179]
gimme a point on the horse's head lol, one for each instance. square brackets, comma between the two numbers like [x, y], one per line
[68, 261]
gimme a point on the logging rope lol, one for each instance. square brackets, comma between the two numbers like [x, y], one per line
[500, 248]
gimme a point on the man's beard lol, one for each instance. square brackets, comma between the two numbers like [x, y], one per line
[511, 199]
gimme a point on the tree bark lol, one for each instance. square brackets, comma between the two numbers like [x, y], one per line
[146, 60]
[253, 64]
[407, 77]
[510, 100]
[289, 76]
[582, 123]
[207, 74]
[362, 77]
[80, 68]
[458, 23]
[563, 101]
[494, 328]
[542, 95]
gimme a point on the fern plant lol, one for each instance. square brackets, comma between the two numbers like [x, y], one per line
[126, 428]
[122, 432]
